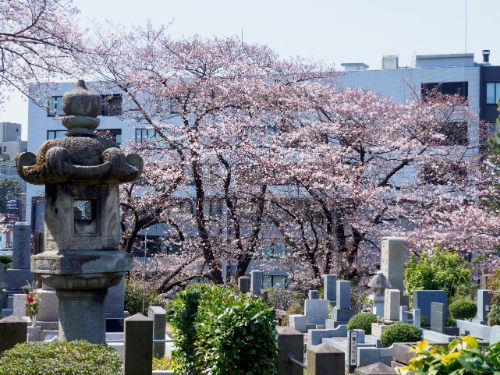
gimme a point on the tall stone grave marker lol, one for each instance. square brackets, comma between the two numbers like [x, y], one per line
[438, 317]
[391, 304]
[392, 260]
[314, 294]
[115, 308]
[244, 284]
[256, 281]
[483, 305]
[342, 311]
[422, 300]
[20, 274]
[330, 288]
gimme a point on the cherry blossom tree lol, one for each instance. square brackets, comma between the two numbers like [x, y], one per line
[39, 42]
[243, 149]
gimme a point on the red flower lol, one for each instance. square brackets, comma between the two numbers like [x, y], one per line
[30, 299]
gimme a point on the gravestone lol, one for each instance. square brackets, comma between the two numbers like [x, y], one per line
[48, 308]
[115, 308]
[391, 304]
[392, 261]
[422, 300]
[416, 317]
[314, 294]
[342, 311]
[244, 284]
[316, 311]
[297, 322]
[330, 288]
[403, 316]
[158, 315]
[483, 305]
[495, 335]
[438, 317]
[20, 274]
[4, 284]
[19, 305]
[484, 281]
[256, 282]
[12, 331]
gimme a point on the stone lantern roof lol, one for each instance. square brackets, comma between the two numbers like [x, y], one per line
[379, 281]
[81, 156]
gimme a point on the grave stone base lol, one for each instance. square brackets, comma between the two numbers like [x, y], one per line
[18, 278]
[377, 329]
[342, 314]
[333, 324]
[34, 333]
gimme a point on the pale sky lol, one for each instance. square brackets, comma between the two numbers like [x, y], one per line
[333, 31]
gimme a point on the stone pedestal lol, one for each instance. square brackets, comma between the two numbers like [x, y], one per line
[81, 315]
[48, 309]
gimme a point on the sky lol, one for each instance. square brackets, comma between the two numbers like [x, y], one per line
[334, 31]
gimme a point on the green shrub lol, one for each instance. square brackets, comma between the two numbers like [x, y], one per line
[134, 292]
[441, 270]
[222, 331]
[400, 332]
[6, 260]
[463, 356]
[362, 321]
[463, 309]
[61, 358]
[164, 363]
[296, 309]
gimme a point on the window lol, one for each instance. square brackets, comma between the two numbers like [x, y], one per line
[142, 135]
[114, 134]
[492, 92]
[54, 134]
[4, 148]
[443, 174]
[455, 132]
[448, 88]
[85, 217]
[111, 105]
[55, 106]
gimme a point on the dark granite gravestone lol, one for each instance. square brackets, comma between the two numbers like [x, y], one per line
[422, 300]
[438, 317]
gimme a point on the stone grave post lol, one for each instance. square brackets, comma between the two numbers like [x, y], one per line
[137, 346]
[82, 174]
[392, 261]
[438, 317]
[291, 344]
[13, 331]
[325, 359]
[484, 280]
[20, 274]
[244, 284]
[256, 281]
[342, 311]
[416, 317]
[483, 305]
[330, 288]
[158, 315]
[352, 350]
[115, 308]
[391, 305]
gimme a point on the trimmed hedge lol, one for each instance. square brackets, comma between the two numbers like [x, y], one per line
[61, 358]
[133, 298]
[362, 321]
[400, 332]
[221, 331]
[463, 309]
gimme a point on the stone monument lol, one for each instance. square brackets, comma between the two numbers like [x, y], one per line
[379, 283]
[392, 262]
[81, 174]
[20, 274]
[391, 305]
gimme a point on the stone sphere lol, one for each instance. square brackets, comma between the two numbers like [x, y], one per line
[81, 102]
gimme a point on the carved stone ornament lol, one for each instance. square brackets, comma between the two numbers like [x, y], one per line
[81, 156]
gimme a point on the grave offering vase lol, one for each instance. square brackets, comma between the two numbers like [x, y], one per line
[81, 174]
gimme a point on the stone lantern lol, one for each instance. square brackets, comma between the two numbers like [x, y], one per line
[379, 283]
[81, 174]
